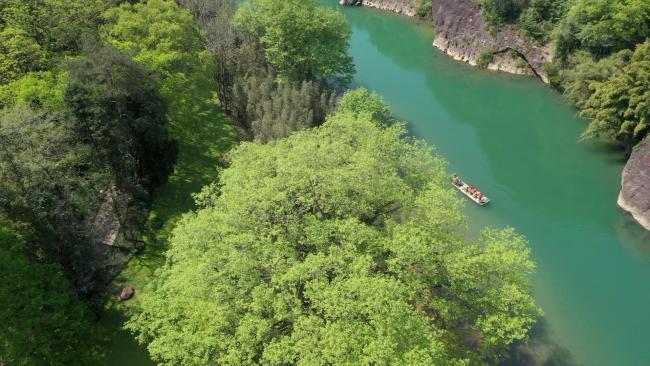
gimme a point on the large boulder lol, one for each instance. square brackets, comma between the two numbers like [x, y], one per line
[127, 293]
[462, 33]
[635, 185]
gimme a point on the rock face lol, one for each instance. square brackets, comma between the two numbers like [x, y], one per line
[462, 33]
[127, 293]
[406, 7]
[635, 191]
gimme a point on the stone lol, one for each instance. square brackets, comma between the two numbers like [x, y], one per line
[635, 185]
[462, 33]
[405, 7]
[127, 293]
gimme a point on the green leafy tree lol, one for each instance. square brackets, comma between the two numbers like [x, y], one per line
[43, 186]
[539, 18]
[160, 35]
[620, 106]
[335, 246]
[59, 27]
[35, 90]
[42, 322]
[19, 54]
[500, 12]
[576, 80]
[302, 39]
[274, 110]
[602, 26]
[118, 110]
[360, 101]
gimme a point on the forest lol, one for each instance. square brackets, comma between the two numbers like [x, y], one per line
[325, 236]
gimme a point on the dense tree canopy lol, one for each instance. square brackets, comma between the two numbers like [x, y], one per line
[302, 40]
[20, 54]
[42, 324]
[620, 105]
[359, 102]
[36, 90]
[43, 187]
[275, 110]
[266, 96]
[602, 26]
[499, 12]
[335, 246]
[35, 34]
[66, 138]
[160, 35]
[119, 111]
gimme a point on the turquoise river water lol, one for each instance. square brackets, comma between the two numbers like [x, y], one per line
[517, 140]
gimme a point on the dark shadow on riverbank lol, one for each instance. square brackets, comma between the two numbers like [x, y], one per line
[539, 350]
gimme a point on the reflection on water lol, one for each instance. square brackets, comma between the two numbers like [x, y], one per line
[539, 350]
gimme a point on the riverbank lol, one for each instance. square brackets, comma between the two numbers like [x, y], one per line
[462, 33]
[204, 133]
[635, 192]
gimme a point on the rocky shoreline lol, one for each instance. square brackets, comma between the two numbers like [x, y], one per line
[635, 185]
[405, 7]
[462, 33]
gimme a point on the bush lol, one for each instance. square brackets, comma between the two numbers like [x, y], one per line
[485, 59]
[424, 9]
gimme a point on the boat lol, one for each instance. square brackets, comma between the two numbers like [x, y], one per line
[470, 191]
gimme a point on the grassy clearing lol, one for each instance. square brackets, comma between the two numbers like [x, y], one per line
[204, 133]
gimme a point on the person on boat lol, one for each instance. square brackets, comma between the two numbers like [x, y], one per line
[456, 180]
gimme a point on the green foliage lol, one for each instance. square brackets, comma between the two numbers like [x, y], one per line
[577, 80]
[118, 110]
[42, 322]
[337, 246]
[362, 103]
[619, 106]
[160, 35]
[537, 21]
[302, 39]
[35, 90]
[500, 12]
[424, 9]
[265, 104]
[20, 54]
[46, 185]
[275, 110]
[484, 59]
[602, 26]
[534, 19]
[35, 34]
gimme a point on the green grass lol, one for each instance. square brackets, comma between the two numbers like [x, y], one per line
[204, 133]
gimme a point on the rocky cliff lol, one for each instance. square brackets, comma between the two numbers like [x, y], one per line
[406, 7]
[462, 33]
[635, 185]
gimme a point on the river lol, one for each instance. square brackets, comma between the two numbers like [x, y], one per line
[517, 140]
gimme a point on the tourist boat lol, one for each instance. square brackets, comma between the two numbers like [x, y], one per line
[470, 191]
